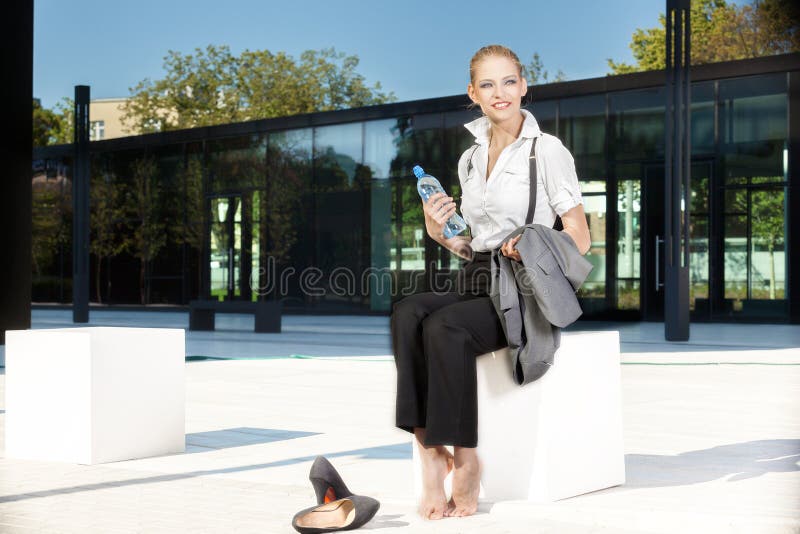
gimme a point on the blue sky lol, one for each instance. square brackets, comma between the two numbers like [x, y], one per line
[418, 49]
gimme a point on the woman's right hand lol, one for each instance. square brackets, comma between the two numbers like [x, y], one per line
[438, 209]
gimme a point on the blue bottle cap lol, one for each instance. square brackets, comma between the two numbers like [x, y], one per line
[418, 172]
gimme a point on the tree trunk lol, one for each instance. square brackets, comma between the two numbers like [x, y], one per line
[141, 281]
[772, 272]
[97, 279]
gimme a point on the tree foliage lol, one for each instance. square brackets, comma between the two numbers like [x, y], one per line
[105, 222]
[534, 72]
[52, 126]
[149, 229]
[214, 86]
[721, 31]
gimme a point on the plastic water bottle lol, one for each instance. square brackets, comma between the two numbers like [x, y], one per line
[427, 186]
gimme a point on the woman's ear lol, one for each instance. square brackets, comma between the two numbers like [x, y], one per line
[471, 93]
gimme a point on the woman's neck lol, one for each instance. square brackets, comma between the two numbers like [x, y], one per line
[506, 132]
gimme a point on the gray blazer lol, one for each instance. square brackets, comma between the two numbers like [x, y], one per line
[535, 298]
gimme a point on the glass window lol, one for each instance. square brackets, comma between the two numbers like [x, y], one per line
[286, 219]
[753, 126]
[337, 155]
[51, 228]
[698, 233]
[755, 256]
[629, 199]
[545, 113]
[582, 128]
[702, 118]
[380, 146]
[594, 205]
[421, 143]
[637, 119]
[97, 130]
[237, 163]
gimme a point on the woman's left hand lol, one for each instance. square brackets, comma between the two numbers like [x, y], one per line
[508, 249]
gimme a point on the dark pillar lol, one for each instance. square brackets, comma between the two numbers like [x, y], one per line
[793, 203]
[80, 208]
[677, 167]
[16, 153]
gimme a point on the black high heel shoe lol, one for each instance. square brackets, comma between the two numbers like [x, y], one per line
[348, 513]
[328, 485]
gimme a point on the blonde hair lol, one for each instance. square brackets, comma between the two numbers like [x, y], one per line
[492, 50]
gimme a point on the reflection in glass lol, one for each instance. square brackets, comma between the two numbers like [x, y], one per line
[380, 146]
[767, 244]
[753, 126]
[594, 205]
[287, 217]
[225, 254]
[51, 228]
[341, 216]
[582, 129]
[237, 163]
[638, 123]
[702, 118]
[337, 155]
[755, 256]
[629, 194]
[698, 234]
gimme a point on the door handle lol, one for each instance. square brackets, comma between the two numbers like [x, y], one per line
[659, 285]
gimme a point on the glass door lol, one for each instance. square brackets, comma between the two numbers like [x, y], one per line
[225, 250]
[652, 249]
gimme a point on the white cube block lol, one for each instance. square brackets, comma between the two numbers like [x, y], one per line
[557, 437]
[96, 394]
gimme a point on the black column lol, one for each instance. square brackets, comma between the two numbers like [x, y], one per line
[793, 202]
[16, 153]
[677, 166]
[80, 208]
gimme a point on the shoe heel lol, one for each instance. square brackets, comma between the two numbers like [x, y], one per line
[324, 491]
[328, 485]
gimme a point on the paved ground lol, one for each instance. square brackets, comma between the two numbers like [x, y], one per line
[709, 448]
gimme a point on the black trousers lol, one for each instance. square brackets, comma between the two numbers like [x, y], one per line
[436, 338]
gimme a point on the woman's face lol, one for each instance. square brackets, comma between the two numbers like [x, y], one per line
[498, 88]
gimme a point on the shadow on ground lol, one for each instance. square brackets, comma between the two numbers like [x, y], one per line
[398, 451]
[738, 461]
[238, 437]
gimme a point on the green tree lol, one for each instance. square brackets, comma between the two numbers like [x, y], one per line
[191, 226]
[535, 72]
[149, 235]
[52, 126]
[105, 222]
[768, 225]
[48, 220]
[214, 86]
[721, 31]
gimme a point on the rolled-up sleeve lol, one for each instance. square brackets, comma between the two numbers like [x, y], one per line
[560, 178]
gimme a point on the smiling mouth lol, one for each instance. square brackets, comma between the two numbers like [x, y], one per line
[501, 105]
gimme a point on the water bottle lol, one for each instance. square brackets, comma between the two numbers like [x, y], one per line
[427, 186]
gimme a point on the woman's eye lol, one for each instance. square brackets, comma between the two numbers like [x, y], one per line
[511, 82]
[485, 85]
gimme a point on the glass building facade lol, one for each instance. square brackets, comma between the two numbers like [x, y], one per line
[321, 210]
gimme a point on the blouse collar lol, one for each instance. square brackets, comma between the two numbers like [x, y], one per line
[480, 128]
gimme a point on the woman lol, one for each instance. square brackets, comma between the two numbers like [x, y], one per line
[437, 336]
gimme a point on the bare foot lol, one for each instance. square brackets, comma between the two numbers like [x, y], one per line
[466, 484]
[437, 462]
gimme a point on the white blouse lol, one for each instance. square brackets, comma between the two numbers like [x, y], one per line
[493, 208]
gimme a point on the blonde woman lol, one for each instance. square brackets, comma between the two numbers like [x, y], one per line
[436, 337]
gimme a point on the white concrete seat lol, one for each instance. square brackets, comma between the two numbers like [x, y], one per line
[557, 437]
[96, 394]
